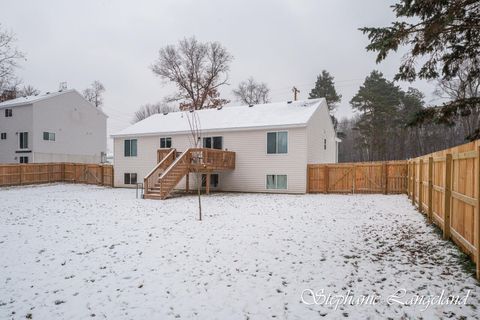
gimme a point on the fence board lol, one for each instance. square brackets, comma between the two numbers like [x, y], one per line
[362, 177]
[35, 173]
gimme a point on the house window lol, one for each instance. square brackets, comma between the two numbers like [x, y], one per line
[277, 142]
[130, 148]
[3, 135]
[213, 180]
[166, 142]
[130, 178]
[8, 113]
[23, 139]
[23, 159]
[324, 144]
[276, 181]
[213, 142]
[49, 136]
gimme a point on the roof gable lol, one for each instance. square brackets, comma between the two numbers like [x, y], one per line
[270, 115]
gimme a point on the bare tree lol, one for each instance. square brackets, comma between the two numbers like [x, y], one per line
[252, 92]
[149, 109]
[94, 93]
[28, 90]
[9, 57]
[197, 69]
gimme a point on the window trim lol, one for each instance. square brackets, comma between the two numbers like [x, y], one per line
[130, 148]
[23, 157]
[276, 181]
[276, 146]
[130, 178]
[165, 139]
[211, 142]
[49, 136]
[20, 140]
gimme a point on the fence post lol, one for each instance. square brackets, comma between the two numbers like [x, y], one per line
[385, 177]
[354, 177]
[420, 186]
[413, 182]
[477, 228]
[408, 179]
[448, 196]
[325, 178]
[430, 188]
[102, 173]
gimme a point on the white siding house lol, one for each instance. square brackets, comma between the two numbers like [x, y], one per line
[53, 127]
[275, 139]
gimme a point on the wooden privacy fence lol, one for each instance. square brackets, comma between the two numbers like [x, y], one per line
[362, 177]
[34, 173]
[445, 186]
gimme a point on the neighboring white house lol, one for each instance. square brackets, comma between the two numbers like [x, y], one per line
[273, 144]
[53, 127]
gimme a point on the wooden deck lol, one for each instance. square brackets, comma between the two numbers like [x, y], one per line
[173, 166]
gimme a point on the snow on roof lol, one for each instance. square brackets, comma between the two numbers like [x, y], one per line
[280, 114]
[31, 99]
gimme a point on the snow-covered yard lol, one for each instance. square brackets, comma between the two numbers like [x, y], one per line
[76, 251]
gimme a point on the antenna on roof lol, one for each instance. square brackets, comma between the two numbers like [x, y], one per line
[295, 92]
[62, 86]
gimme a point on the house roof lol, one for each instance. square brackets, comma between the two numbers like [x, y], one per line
[270, 115]
[31, 99]
[21, 101]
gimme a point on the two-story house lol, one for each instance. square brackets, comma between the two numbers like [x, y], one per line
[53, 127]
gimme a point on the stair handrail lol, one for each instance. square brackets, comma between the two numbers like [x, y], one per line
[159, 165]
[174, 164]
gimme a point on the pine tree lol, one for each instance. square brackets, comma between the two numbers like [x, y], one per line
[378, 101]
[325, 88]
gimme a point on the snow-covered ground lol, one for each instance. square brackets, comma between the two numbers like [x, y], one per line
[76, 251]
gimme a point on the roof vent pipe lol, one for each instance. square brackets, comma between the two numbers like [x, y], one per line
[250, 105]
[289, 101]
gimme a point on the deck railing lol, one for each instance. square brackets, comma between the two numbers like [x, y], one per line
[164, 162]
[212, 159]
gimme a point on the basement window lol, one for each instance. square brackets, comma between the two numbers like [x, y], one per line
[23, 159]
[130, 148]
[3, 136]
[213, 180]
[130, 178]
[277, 181]
[166, 142]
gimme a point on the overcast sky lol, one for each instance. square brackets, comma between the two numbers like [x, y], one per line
[280, 42]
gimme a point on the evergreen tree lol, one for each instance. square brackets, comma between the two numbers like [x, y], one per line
[378, 101]
[325, 88]
[441, 36]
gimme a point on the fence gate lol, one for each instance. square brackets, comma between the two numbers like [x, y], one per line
[362, 177]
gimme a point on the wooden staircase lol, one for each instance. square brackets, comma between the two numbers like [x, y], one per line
[172, 167]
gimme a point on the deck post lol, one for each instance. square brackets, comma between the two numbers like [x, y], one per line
[430, 189]
[448, 196]
[420, 186]
[187, 183]
[208, 183]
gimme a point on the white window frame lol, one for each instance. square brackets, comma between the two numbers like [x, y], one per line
[276, 153]
[130, 145]
[51, 136]
[19, 140]
[165, 139]
[276, 181]
[130, 178]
